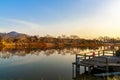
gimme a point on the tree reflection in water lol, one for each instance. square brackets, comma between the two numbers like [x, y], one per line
[38, 62]
[7, 53]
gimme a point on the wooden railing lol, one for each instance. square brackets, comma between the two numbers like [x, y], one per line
[89, 55]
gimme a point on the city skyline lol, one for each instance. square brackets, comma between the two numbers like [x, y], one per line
[84, 18]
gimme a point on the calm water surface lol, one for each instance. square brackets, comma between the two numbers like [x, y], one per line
[52, 64]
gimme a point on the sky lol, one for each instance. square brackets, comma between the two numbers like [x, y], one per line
[84, 18]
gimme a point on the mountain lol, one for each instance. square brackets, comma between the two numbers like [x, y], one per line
[11, 34]
[1, 33]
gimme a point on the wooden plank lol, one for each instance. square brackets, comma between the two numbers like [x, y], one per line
[101, 61]
[81, 64]
[107, 74]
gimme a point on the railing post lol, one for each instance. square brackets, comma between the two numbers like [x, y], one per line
[77, 65]
[85, 68]
[93, 54]
[89, 69]
[73, 71]
[77, 70]
[76, 57]
[85, 55]
[89, 57]
[113, 53]
[107, 67]
[98, 53]
[103, 52]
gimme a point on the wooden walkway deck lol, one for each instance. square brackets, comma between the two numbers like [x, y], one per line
[108, 74]
[100, 59]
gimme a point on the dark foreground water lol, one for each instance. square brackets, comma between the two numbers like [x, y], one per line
[26, 64]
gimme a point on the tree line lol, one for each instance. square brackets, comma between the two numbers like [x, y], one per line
[53, 42]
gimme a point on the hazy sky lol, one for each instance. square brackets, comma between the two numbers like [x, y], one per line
[85, 18]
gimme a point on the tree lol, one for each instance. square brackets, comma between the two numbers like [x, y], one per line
[10, 40]
[74, 37]
[0, 38]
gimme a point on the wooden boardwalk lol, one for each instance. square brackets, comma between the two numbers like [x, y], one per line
[101, 61]
[104, 59]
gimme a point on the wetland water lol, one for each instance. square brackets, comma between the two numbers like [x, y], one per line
[35, 64]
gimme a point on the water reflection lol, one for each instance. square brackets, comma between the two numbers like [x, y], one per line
[37, 64]
[7, 53]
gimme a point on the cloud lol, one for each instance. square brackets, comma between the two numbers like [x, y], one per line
[28, 24]
[101, 22]
[21, 26]
[104, 22]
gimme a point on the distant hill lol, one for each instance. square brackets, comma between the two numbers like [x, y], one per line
[11, 34]
[14, 34]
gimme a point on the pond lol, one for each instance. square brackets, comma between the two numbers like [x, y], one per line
[36, 64]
